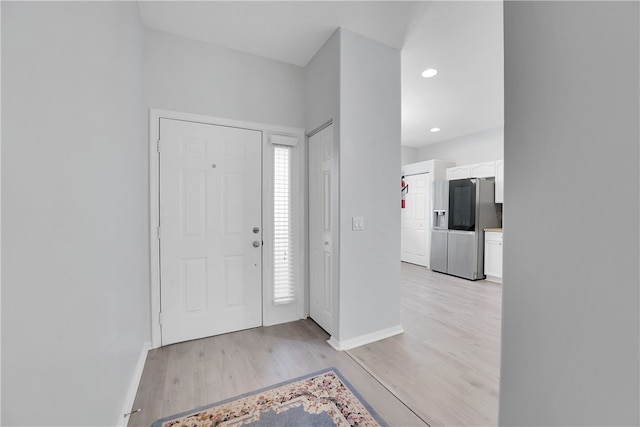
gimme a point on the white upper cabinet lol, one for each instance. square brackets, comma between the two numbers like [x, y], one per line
[458, 172]
[477, 170]
[483, 170]
[499, 181]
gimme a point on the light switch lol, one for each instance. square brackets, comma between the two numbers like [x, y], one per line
[357, 223]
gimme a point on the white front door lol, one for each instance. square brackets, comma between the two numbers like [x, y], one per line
[416, 234]
[210, 230]
[320, 226]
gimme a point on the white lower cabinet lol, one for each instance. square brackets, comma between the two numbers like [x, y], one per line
[493, 256]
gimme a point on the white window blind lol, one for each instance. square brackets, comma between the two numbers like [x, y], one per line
[283, 236]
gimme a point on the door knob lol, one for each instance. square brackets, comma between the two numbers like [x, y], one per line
[256, 230]
[256, 244]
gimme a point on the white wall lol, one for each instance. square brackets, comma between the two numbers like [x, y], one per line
[322, 85]
[190, 76]
[477, 147]
[75, 296]
[570, 324]
[369, 186]
[322, 96]
[408, 155]
[356, 82]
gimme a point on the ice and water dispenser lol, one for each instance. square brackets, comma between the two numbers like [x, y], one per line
[440, 219]
[440, 205]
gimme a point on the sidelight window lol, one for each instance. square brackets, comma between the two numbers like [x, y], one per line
[283, 233]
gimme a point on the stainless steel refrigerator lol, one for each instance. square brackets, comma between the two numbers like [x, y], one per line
[462, 209]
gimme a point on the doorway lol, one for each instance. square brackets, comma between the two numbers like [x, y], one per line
[211, 229]
[320, 227]
[415, 225]
[229, 185]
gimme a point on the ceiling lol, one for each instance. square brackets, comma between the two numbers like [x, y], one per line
[462, 39]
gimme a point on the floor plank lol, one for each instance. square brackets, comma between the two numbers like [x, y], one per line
[184, 376]
[445, 367]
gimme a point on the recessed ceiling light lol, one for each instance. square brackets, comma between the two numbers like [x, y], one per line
[435, 129]
[429, 72]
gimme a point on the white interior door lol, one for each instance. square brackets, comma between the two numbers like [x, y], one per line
[320, 226]
[416, 236]
[210, 254]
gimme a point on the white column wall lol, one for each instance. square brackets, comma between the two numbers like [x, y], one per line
[322, 96]
[570, 324]
[355, 82]
[369, 186]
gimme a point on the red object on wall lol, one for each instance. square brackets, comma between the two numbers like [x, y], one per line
[403, 191]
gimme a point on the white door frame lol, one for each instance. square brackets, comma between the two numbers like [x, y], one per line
[154, 199]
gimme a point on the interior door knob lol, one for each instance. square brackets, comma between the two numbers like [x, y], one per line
[256, 244]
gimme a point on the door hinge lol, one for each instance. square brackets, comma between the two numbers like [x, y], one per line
[158, 232]
[160, 318]
[158, 146]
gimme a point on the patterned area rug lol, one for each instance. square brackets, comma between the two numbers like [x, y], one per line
[323, 398]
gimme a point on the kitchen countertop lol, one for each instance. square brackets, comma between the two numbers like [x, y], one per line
[494, 230]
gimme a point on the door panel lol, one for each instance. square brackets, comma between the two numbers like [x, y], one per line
[415, 235]
[439, 249]
[320, 228]
[210, 200]
[461, 260]
[193, 188]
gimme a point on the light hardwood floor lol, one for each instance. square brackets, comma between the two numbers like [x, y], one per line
[443, 370]
[446, 366]
[184, 376]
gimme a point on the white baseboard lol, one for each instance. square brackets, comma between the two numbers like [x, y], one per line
[133, 386]
[494, 279]
[365, 339]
